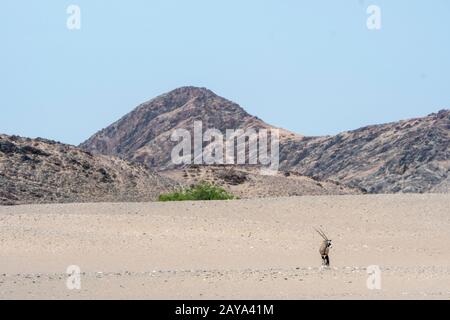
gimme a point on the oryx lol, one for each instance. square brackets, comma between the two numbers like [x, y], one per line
[324, 248]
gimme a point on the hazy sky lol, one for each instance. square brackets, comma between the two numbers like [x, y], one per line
[309, 66]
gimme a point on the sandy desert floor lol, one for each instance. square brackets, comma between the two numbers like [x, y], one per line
[243, 249]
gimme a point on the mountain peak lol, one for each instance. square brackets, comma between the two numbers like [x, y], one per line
[182, 95]
[195, 97]
[191, 90]
[143, 135]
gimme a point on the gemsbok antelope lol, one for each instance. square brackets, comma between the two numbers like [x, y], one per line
[324, 248]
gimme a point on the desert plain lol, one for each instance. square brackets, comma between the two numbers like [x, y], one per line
[238, 249]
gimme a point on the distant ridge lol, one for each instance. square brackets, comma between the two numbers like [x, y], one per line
[405, 156]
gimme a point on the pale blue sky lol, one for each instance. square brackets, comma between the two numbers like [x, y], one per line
[309, 66]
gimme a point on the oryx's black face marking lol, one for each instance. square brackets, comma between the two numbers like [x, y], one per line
[328, 243]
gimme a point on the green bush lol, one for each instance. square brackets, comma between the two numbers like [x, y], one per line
[201, 191]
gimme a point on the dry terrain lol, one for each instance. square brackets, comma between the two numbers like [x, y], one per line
[248, 182]
[258, 248]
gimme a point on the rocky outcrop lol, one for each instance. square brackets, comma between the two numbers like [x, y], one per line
[43, 171]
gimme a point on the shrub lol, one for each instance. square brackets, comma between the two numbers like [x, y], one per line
[201, 191]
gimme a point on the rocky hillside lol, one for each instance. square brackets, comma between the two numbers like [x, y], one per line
[143, 135]
[43, 171]
[405, 156]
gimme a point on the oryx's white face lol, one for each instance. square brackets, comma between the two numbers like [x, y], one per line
[328, 243]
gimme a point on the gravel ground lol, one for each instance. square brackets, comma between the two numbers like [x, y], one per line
[243, 249]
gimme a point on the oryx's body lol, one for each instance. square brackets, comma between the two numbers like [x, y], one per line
[324, 248]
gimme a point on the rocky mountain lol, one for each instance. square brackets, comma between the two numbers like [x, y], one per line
[43, 171]
[143, 135]
[405, 156]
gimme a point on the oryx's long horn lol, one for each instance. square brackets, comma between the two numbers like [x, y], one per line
[326, 238]
[321, 234]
